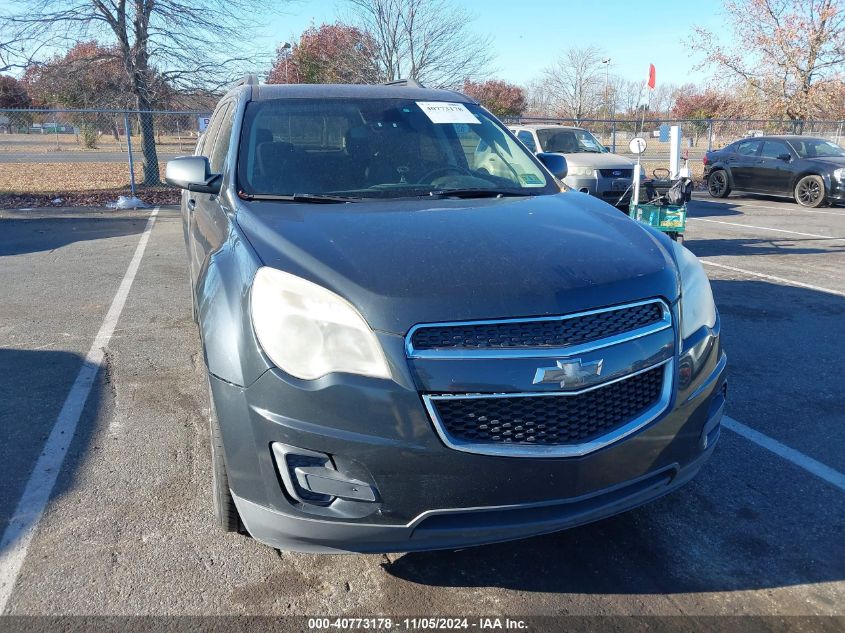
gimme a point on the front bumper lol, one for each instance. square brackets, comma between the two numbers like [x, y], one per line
[836, 191]
[611, 190]
[461, 527]
[429, 496]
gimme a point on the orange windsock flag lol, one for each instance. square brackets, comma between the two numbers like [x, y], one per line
[651, 76]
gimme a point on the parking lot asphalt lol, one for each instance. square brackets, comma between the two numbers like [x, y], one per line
[128, 528]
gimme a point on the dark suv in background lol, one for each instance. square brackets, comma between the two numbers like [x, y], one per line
[407, 351]
[810, 170]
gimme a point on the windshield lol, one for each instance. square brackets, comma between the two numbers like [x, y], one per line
[568, 141]
[816, 148]
[381, 148]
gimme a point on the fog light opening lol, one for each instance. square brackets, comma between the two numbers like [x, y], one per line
[295, 462]
[312, 478]
[288, 459]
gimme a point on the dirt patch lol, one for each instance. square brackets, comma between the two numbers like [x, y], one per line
[88, 184]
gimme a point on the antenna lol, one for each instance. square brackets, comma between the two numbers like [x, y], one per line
[404, 83]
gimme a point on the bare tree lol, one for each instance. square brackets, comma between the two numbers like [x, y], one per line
[626, 95]
[662, 98]
[540, 99]
[185, 43]
[427, 40]
[576, 81]
[790, 52]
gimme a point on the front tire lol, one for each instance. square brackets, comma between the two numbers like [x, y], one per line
[809, 192]
[717, 184]
[225, 512]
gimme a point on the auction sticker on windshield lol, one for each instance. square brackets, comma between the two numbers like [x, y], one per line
[445, 112]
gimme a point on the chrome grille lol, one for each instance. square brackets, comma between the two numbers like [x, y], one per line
[616, 173]
[560, 332]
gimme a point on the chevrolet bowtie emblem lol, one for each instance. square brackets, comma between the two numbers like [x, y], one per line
[568, 373]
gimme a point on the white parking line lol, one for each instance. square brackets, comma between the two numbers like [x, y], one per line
[36, 495]
[768, 228]
[791, 209]
[831, 476]
[783, 280]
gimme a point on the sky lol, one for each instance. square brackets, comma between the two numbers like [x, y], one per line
[528, 39]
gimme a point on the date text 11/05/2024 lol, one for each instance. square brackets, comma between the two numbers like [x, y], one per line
[417, 623]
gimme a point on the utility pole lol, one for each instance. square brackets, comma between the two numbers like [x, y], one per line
[606, 63]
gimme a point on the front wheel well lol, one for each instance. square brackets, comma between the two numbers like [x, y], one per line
[809, 172]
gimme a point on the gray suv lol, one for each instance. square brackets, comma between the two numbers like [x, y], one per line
[406, 351]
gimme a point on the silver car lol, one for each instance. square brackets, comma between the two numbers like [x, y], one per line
[592, 168]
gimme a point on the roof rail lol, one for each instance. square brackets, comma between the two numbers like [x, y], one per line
[247, 80]
[404, 83]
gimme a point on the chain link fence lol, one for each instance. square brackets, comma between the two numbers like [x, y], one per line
[698, 135]
[94, 156]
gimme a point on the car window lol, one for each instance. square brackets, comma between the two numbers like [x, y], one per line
[526, 137]
[380, 148]
[568, 141]
[210, 133]
[221, 145]
[816, 148]
[774, 149]
[746, 148]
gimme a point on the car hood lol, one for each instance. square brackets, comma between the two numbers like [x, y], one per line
[407, 262]
[599, 161]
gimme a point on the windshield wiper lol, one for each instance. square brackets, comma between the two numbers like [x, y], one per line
[477, 193]
[313, 198]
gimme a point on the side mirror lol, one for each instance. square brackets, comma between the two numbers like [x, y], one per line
[785, 157]
[555, 163]
[192, 173]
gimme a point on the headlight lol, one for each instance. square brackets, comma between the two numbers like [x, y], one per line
[578, 170]
[309, 331]
[839, 174]
[697, 306]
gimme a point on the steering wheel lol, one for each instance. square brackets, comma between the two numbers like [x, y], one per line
[428, 177]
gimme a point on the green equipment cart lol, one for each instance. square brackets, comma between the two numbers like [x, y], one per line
[653, 209]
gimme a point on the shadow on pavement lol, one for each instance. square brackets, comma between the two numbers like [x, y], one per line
[30, 235]
[741, 247]
[750, 520]
[33, 390]
[698, 208]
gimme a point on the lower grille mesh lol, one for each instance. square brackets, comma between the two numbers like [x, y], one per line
[550, 419]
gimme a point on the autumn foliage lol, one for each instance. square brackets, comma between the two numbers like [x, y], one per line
[13, 93]
[500, 97]
[86, 76]
[784, 56]
[326, 54]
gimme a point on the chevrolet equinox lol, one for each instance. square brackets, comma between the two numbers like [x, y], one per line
[408, 349]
